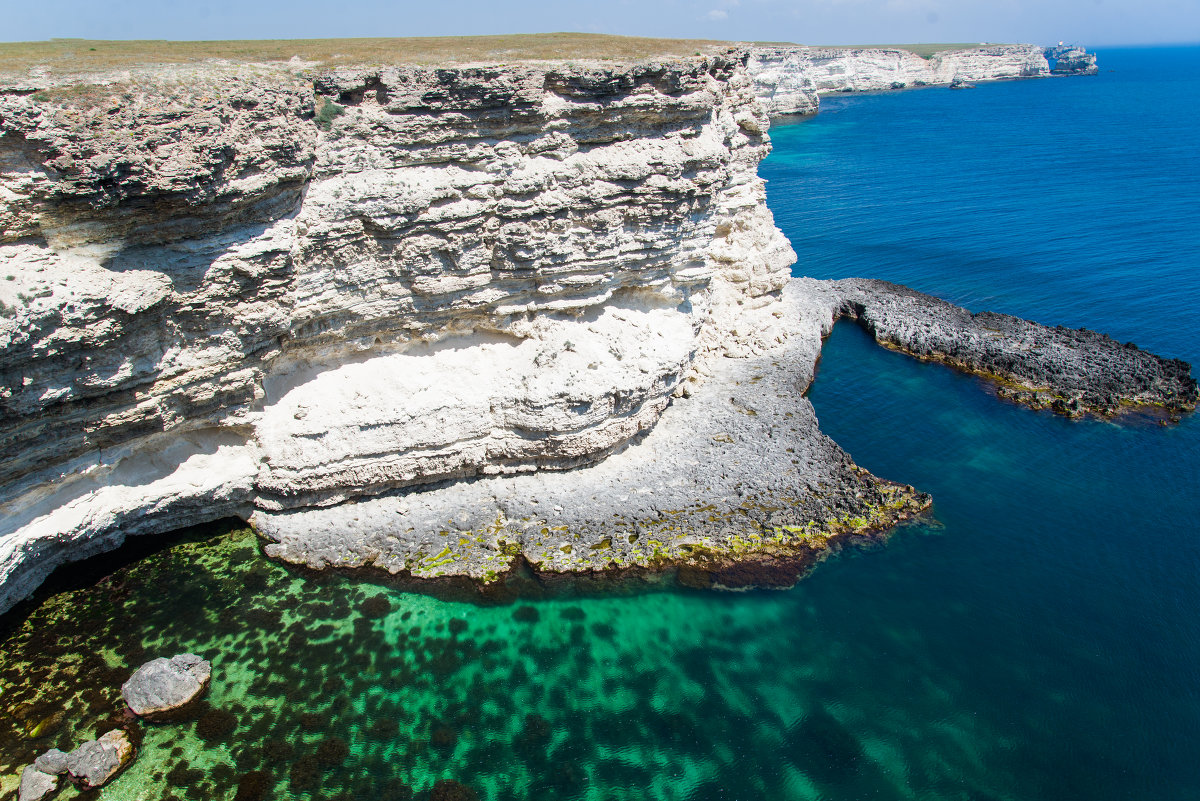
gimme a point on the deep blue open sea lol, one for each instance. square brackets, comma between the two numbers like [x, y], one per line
[1038, 638]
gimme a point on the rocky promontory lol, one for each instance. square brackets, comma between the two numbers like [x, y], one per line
[443, 320]
[1071, 371]
[1071, 60]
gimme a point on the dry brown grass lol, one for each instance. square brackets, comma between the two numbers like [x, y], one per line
[83, 55]
[86, 55]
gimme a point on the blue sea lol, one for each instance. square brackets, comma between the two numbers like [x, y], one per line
[1037, 637]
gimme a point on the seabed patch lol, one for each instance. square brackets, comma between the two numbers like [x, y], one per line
[330, 687]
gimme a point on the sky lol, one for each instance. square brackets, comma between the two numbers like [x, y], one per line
[1088, 22]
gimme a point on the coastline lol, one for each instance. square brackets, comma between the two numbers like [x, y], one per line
[315, 424]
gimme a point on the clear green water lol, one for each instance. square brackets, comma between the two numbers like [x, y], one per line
[1038, 641]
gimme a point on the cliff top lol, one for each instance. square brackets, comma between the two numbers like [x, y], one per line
[87, 55]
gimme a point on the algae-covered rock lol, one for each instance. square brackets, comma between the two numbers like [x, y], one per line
[165, 685]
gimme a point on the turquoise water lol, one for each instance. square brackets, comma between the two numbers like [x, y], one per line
[1037, 640]
[1059, 602]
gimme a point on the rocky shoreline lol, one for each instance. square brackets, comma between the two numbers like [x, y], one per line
[736, 486]
[1074, 372]
[446, 322]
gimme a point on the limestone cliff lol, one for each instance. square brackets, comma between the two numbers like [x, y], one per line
[449, 321]
[233, 287]
[790, 78]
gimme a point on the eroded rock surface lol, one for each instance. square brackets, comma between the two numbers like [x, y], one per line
[36, 784]
[53, 762]
[735, 482]
[1072, 60]
[388, 277]
[1072, 371]
[165, 685]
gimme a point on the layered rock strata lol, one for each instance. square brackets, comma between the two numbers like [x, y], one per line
[441, 321]
[227, 288]
[790, 79]
[735, 486]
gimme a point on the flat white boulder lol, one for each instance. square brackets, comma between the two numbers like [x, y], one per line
[36, 785]
[163, 685]
[97, 761]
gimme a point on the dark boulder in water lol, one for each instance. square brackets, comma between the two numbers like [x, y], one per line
[332, 752]
[216, 725]
[253, 786]
[384, 729]
[304, 774]
[375, 607]
[395, 790]
[526, 614]
[443, 737]
[450, 790]
[276, 751]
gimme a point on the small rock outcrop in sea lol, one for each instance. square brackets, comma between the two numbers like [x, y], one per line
[97, 761]
[166, 685]
[53, 762]
[41, 779]
[1071, 371]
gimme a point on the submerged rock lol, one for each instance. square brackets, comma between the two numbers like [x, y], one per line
[165, 685]
[95, 762]
[450, 790]
[36, 785]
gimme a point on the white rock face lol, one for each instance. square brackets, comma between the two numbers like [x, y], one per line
[791, 79]
[223, 295]
[36, 785]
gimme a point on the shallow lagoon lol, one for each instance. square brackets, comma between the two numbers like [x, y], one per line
[1036, 640]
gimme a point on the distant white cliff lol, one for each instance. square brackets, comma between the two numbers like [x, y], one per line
[790, 79]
